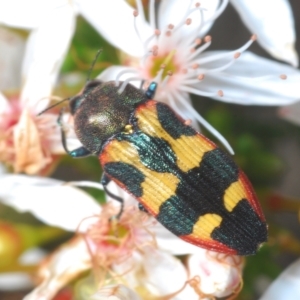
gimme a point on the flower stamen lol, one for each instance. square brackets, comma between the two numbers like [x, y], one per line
[222, 55]
[136, 14]
[126, 71]
[124, 84]
[152, 13]
[202, 121]
[194, 53]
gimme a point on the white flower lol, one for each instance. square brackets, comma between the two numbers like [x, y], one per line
[278, 38]
[28, 142]
[171, 52]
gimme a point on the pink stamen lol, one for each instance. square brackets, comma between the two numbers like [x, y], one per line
[188, 21]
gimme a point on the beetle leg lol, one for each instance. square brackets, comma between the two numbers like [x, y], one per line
[76, 153]
[105, 181]
[151, 90]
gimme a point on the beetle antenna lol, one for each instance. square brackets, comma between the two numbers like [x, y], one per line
[51, 106]
[93, 64]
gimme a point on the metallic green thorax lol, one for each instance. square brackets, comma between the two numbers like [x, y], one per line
[103, 112]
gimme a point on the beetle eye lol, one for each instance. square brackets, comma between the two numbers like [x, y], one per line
[75, 103]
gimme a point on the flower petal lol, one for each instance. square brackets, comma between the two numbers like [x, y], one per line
[115, 292]
[219, 274]
[48, 200]
[154, 270]
[4, 105]
[29, 158]
[11, 48]
[45, 52]
[164, 274]
[176, 12]
[60, 268]
[169, 242]
[115, 21]
[286, 286]
[275, 31]
[117, 73]
[252, 80]
[25, 14]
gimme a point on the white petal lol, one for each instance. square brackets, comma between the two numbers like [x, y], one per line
[115, 292]
[117, 72]
[164, 274]
[286, 286]
[15, 281]
[45, 52]
[65, 264]
[48, 200]
[26, 14]
[169, 242]
[12, 49]
[219, 274]
[253, 80]
[115, 21]
[273, 23]
[291, 113]
[176, 11]
[4, 105]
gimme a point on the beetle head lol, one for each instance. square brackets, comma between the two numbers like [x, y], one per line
[101, 112]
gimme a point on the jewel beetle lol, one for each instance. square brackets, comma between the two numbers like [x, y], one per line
[191, 186]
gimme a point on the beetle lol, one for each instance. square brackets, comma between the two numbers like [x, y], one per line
[191, 186]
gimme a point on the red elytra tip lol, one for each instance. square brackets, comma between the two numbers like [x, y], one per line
[188, 122]
[253, 37]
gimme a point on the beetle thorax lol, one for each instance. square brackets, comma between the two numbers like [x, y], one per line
[103, 113]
